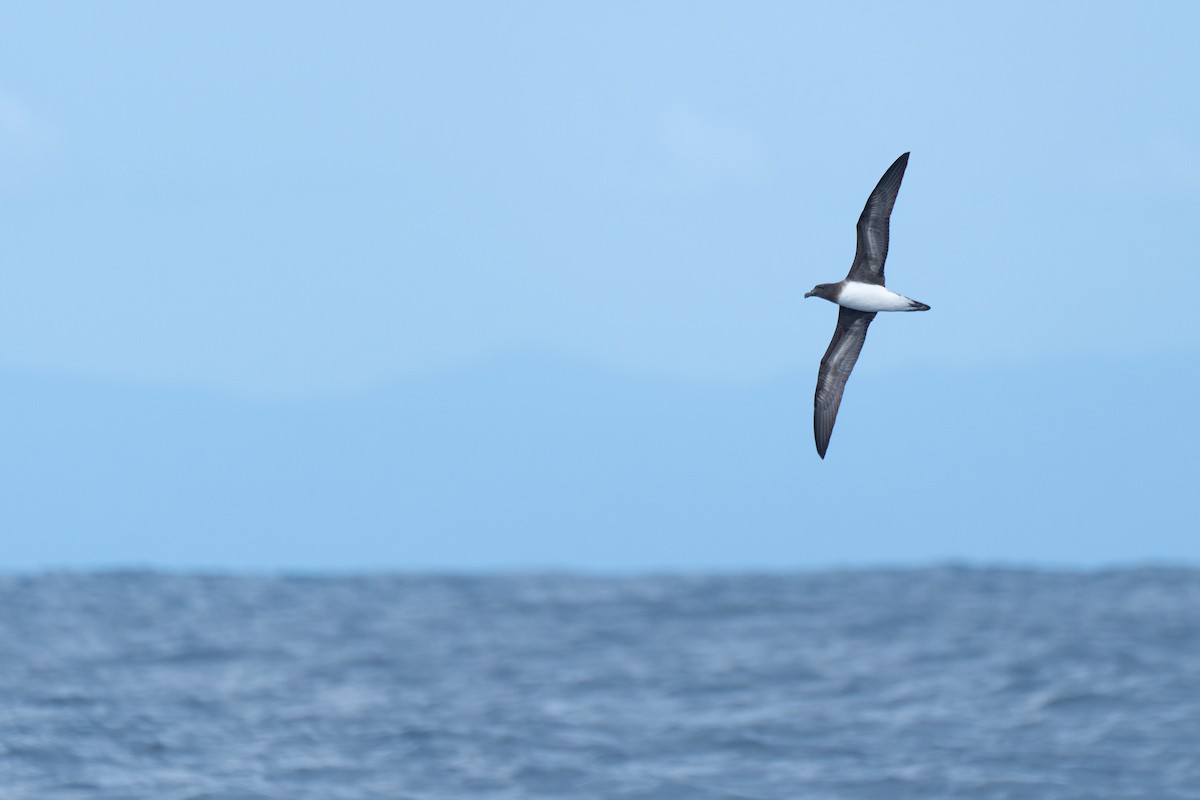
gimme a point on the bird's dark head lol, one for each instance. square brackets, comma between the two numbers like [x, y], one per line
[827, 291]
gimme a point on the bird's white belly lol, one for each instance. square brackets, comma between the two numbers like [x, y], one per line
[871, 297]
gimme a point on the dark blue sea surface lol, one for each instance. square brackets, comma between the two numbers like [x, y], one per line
[933, 683]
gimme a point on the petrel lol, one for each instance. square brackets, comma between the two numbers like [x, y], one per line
[859, 296]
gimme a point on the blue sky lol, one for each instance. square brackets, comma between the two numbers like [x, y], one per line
[310, 219]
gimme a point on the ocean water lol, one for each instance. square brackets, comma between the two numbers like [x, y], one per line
[934, 683]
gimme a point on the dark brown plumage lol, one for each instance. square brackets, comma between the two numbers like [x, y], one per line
[866, 272]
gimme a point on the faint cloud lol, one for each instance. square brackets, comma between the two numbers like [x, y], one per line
[1167, 158]
[707, 151]
[1176, 157]
[25, 137]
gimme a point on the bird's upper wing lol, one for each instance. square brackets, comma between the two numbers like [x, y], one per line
[839, 359]
[873, 226]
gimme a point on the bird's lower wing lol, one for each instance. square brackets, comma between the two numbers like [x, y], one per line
[839, 360]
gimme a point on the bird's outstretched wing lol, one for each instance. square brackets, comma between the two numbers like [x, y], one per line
[839, 359]
[873, 226]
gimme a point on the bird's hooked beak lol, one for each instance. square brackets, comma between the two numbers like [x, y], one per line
[807, 295]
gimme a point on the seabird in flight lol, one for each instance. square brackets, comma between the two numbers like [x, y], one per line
[859, 297]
